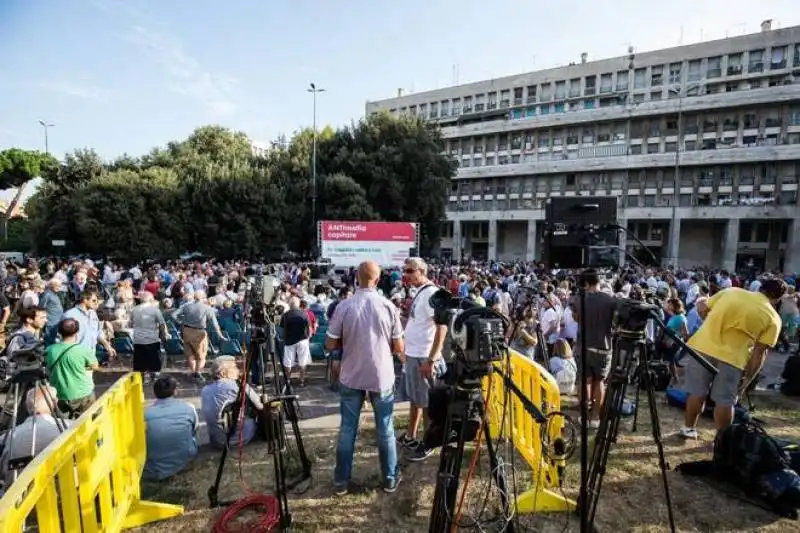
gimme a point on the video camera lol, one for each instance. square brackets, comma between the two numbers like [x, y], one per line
[476, 334]
[261, 294]
[30, 358]
[633, 315]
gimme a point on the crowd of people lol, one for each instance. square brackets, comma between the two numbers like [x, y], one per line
[379, 323]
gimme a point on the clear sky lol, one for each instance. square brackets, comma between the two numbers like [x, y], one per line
[126, 75]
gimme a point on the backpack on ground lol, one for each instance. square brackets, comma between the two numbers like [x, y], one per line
[746, 456]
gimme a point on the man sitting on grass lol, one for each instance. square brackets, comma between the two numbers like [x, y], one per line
[171, 432]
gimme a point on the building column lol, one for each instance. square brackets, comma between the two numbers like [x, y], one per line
[530, 247]
[492, 240]
[622, 241]
[791, 263]
[673, 248]
[730, 245]
[457, 240]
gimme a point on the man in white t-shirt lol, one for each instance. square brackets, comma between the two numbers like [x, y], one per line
[424, 363]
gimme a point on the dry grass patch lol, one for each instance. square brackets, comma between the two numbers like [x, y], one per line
[632, 498]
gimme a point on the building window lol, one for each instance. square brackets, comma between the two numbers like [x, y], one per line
[671, 147]
[652, 148]
[445, 108]
[589, 85]
[561, 90]
[632, 200]
[531, 90]
[778, 60]
[605, 83]
[456, 106]
[656, 76]
[574, 87]
[622, 80]
[756, 61]
[685, 200]
[690, 146]
[518, 96]
[655, 95]
[434, 110]
[588, 103]
[636, 149]
[734, 64]
[714, 69]
[694, 70]
[639, 76]
[505, 99]
[547, 92]
[480, 102]
[675, 73]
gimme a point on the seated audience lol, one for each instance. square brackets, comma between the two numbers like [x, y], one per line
[562, 367]
[171, 432]
[219, 395]
[70, 365]
[32, 436]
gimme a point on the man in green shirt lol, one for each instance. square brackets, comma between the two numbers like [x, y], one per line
[70, 365]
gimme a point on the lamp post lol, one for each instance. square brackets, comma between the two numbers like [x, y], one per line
[313, 89]
[673, 256]
[46, 126]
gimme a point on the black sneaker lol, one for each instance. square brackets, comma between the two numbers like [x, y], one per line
[421, 452]
[341, 489]
[392, 487]
[407, 441]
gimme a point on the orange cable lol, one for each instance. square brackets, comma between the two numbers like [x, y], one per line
[474, 460]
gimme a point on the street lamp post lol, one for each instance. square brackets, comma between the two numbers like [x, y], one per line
[673, 255]
[313, 89]
[46, 126]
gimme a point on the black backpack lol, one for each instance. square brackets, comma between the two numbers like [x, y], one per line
[759, 465]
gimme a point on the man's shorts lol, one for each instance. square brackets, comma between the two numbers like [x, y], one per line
[598, 363]
[417, 387]
[297, 354]
[724, 386]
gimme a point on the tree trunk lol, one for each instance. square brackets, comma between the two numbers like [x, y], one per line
[10, 210]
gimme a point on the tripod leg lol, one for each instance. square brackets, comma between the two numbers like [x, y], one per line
[639, 385]
[662, 461]
[446, 491]
[499, 477]
[213, 491]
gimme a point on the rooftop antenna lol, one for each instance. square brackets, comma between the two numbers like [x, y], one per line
[680, 39]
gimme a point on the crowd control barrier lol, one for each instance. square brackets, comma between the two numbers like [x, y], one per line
[88, 479]
[509, 417]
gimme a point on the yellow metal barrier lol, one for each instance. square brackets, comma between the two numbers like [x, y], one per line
[515, 423]
[88, 479]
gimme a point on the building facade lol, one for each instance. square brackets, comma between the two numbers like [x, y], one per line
[700, 144]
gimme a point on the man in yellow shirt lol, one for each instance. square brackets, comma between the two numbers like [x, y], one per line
[738, 328]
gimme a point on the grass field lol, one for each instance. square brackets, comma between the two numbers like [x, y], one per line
[632, 498]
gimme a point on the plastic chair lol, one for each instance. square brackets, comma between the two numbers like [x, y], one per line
[174, 345]
[123, 342]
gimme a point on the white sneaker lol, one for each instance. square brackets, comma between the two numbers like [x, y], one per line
[688, 433]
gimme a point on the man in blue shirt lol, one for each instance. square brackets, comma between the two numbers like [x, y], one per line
[170, 432]
[89, 330]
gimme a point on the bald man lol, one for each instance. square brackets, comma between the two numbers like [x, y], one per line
[367, 329]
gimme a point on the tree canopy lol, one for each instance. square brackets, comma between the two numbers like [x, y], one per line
[210, 193]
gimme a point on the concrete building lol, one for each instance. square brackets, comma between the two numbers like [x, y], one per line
[699, 143]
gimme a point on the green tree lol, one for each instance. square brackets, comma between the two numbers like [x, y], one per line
[17, 169]
[208, 193]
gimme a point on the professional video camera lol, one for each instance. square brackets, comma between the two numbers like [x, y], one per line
[633, 315]
[476, 334]
[261, 294]
[29, 358]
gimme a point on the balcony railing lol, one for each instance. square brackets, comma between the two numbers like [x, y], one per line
[478, 108]
[714, 73]
[589, 91]
[734, 70]
[755, 66]
[777, 65]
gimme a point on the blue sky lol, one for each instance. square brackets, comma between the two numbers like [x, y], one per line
[126, 75]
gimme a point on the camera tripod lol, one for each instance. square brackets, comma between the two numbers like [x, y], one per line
[631, 364]
[277, 410]
[465, 413]
[21, 383]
